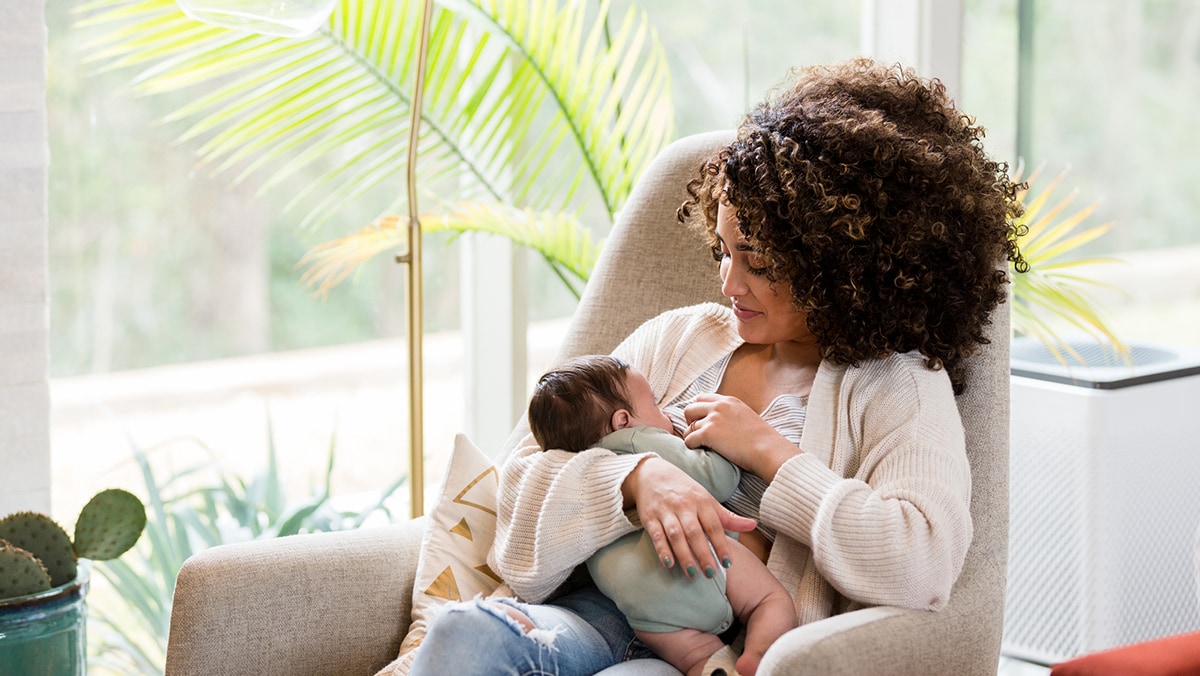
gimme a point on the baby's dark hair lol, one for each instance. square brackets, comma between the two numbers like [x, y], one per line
[572, 405]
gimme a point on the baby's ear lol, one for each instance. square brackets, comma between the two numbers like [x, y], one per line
[621, 419]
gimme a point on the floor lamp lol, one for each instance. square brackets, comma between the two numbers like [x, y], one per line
[297, 18]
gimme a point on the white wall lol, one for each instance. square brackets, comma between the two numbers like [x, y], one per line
[24, 390]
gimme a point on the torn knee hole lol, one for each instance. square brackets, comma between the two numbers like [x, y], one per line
[521, 619]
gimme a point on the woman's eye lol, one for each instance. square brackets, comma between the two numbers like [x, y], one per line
[756, 264]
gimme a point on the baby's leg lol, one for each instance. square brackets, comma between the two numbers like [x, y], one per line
[687, 649]
[760, 602]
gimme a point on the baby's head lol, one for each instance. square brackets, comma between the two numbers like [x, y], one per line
[575, 405]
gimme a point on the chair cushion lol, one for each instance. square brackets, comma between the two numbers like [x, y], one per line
[1171, 656]
[460, 530]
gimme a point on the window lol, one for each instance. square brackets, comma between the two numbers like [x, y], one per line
[1107, 90]
[176, 308]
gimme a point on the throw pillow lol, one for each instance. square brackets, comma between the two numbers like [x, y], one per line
[459, 533]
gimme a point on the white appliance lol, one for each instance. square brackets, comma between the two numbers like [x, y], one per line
[1104, 499]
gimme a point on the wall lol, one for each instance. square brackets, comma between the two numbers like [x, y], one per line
[24, 389]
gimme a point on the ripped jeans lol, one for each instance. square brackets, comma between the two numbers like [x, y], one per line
[577, 634]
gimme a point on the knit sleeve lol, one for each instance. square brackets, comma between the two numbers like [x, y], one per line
[555, 508]
[895, 529]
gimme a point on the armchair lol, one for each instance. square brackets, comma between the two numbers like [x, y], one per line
[338, 603]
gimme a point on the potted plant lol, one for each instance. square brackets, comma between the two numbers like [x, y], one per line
[1049, 292]
[43, 582]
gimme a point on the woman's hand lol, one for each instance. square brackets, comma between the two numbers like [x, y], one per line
[681, 517]
[730, 427]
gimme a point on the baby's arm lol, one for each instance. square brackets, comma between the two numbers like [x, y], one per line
[710, 469]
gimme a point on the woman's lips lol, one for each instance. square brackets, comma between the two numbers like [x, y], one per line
[744, 314]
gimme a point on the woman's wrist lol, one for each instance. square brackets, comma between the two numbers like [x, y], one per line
[774, 454]
[629, 486]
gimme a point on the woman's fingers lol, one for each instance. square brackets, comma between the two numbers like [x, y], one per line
[689, 545]
[736, 523]
[682, 518]
[686, 546]
[720, 544]
[661, 546]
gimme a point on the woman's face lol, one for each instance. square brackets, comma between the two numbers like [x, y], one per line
[765, 313]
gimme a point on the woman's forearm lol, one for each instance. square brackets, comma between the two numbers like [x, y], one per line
[554, 510]
[899, 542]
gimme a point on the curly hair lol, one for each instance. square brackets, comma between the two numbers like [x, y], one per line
[572, 405]
[867, 192]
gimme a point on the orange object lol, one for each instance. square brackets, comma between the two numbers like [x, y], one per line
[1177, 655]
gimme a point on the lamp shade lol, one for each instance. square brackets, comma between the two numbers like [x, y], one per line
[287, 18]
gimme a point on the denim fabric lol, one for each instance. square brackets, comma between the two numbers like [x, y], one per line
[578, 634]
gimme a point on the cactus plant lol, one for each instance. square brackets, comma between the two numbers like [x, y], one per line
[37, 554]
[20, 573]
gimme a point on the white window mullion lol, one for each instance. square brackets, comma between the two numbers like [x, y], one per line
[924, 34]
[494, 311]
[24, 287]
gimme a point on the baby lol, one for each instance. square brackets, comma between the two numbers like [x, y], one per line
[599, 400]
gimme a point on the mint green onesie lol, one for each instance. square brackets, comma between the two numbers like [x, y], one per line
[654, 598]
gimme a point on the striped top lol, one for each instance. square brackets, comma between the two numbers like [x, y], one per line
[874, 511]
[785, 413]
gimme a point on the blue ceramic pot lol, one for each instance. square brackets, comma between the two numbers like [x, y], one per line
[45, 634]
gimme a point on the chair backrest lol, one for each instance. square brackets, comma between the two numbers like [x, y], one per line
[652, 263]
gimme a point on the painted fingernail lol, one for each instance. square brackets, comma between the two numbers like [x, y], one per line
[691, 571]
[667, 561]
[726, 562]
[709, 572]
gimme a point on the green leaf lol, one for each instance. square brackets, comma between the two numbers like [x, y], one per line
[536, 104]
[1044, 295]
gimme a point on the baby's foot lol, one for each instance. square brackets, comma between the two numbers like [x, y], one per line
[747, 664]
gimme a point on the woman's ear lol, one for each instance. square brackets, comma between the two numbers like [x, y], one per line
[621, 419]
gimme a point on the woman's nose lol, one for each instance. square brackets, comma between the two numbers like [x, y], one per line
[733, 283]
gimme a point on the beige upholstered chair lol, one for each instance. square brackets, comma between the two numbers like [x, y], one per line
[339, 603]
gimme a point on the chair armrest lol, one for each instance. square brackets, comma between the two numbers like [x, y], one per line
[883, 641]
[325, 603]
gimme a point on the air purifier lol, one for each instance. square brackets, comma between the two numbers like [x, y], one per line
[1104, 498]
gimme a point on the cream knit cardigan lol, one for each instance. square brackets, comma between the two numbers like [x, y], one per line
[875, 511]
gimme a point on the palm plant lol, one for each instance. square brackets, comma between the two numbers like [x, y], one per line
[189, 511]
[1051, 292]
[533, 112]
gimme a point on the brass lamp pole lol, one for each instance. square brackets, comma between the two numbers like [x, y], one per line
[416, 458]
[296, 18]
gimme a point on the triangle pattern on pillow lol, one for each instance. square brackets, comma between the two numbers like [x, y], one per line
[445, 586]
[483, 490]
[463, 529]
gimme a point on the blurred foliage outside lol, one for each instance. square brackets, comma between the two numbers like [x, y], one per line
[188, 511]
[153, 261]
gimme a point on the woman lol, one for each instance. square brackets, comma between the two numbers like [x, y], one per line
[859, 229]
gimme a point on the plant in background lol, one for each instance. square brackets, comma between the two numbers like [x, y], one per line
[43, 617]
[1051, 291]
[37, 554]
[189, 513]
[535, 112]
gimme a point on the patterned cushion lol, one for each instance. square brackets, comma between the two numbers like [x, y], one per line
[460, 530]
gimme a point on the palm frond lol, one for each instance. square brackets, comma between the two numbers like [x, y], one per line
[558, 237]
[610, 90]
[333, 107]
[1045, 296]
